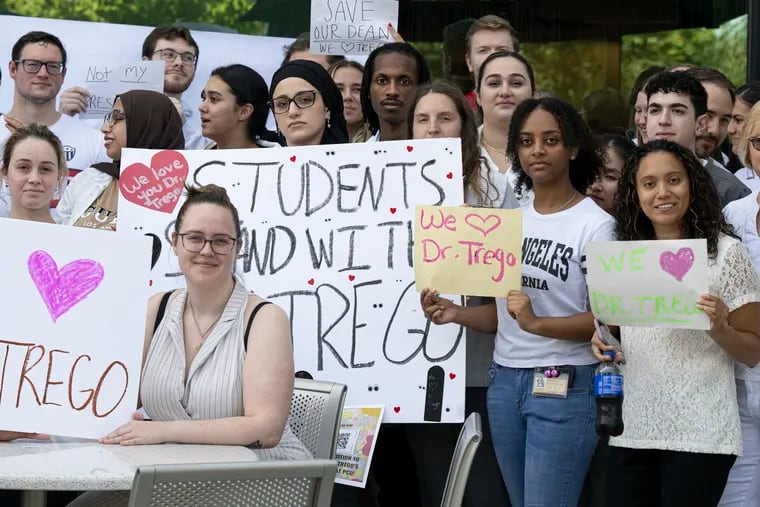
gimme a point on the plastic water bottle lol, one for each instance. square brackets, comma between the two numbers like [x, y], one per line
[608, 391]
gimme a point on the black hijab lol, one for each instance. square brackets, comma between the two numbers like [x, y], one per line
[152, 123]
[318, 77]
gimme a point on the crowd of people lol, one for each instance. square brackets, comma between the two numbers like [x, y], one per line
[684, 164]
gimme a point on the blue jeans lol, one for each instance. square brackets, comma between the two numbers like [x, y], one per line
[543, 445]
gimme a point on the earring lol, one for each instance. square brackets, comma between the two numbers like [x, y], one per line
[328, 123]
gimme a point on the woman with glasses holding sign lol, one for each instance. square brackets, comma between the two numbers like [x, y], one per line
[139, 119]
[681, 419]
[307, 105]
[234, 109]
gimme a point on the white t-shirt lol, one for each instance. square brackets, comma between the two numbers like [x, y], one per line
[191, 129]
[499, 178]
[748, 176]
[553, 276]
[679, 383]
[495, 186]
[82, 146]
[742, 214]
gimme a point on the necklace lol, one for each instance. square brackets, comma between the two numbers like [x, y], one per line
[572, 196]
[203, 334]
[489, 147]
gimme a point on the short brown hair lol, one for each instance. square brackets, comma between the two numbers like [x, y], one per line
[168, 33]
[39, 131]
[493, 23]
[207, 194]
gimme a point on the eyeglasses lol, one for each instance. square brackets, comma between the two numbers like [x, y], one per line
[302, 100]
[34, 66]
[169, 55]
[194, 242]
[114, 116]
[755, 142]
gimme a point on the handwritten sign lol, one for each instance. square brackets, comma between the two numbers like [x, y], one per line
[473, 251]
[156, 187]
[327, 234]
[106, 80]
[73, 327]
[648, 283]
[356, 444]
[351, 27]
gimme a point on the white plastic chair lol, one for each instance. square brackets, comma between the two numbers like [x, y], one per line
[262, 483]
[459, 470]
[315, 413]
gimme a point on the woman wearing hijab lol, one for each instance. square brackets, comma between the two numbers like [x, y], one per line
[307, 105]
[139, 119]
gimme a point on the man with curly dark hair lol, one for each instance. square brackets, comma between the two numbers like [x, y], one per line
[676, 109]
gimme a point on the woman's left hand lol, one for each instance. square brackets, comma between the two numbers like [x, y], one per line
[521, 309]
[136, 432]
[716, 310]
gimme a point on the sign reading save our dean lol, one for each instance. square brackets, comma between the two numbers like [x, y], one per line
[648, 283]
[73, 327]
[327, 234]
[351, 27]
[473, 251]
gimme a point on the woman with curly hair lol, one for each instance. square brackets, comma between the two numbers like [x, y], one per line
[544, 443]
[681, 418]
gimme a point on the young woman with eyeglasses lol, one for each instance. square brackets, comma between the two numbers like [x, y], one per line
[139, 119]
[307, 105]
[234, 109]
[217, 361]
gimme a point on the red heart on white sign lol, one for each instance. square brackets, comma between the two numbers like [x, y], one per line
[159, 186]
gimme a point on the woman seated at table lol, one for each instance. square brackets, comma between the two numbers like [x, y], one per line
[234, 109]
[307, 105]
[34, 167]
[139, 119]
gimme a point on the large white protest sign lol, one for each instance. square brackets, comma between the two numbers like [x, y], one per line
[73, 325]
[351, 27]
[327, 235]
[106, 80]
[88, 43]
[648, 283]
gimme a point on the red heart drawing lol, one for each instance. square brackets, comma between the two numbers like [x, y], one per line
[450, 175]
[351, 278]
[410, 148]
[452, 376]
[159, 186]
[150, 283]
[293, 158]
[397, 409]
[393, 210]
[310, 281]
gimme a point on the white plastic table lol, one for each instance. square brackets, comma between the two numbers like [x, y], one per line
[83, 465]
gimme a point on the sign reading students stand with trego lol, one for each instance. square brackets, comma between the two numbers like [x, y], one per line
[73, 325]
[648, 283]
[327, 234]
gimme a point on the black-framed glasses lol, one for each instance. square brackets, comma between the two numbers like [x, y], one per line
[755, 142]
[34, 66]
[302, 100]
[194, 242]
[169, 55]
[114, 116]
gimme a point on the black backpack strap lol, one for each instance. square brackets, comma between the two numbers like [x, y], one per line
[161, 309]
[250, 322]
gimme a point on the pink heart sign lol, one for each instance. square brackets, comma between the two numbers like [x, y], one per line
[64, 288]
[159, 186]
[677, 264]
[485, 225]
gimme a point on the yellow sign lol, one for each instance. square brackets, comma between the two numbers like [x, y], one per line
[472, 251]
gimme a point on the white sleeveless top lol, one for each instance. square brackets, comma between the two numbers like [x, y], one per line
[214, 386]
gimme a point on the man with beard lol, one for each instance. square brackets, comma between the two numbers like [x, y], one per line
[721, 95]
[38, 68]
[677, 110]
[391, 74]
[179, 51]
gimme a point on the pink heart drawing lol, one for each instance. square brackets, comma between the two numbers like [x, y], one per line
[62, 289]
[159, 186]
[677, 264]
[483, 224]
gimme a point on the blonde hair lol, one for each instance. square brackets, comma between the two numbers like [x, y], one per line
[751, 126]
[493, 23]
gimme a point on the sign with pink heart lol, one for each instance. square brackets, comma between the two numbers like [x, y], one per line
[648, 283]
[73, 327]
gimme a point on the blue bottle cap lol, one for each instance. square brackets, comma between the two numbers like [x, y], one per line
[610, 354]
